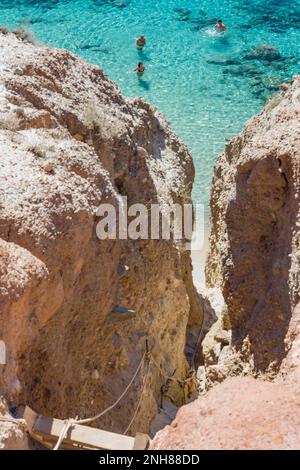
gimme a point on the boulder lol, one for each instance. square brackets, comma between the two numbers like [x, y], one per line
[264, 52]
[239, 414]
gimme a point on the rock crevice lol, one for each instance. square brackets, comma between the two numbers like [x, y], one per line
[249, 357]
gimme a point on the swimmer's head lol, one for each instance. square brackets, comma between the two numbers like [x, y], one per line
[220, 21]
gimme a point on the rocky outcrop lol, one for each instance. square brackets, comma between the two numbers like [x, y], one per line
[264, 53]
[13, 435]
[253, 263]
[76, 311]
[254, 242]
[239, 414]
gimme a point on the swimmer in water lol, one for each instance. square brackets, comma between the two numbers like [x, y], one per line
[220, 26]
[141, 42]
[140, 69]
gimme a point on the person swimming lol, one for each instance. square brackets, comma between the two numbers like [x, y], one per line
[141, 42]
[220, 26]
[140, 69]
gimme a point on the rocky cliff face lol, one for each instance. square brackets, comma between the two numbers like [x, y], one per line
[69, 142]
[242, 413]
[253, 276]
[254, 243]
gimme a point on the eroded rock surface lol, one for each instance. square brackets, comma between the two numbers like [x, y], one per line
[13, 435]
[241, 414]
[254, 245]
[69, 141]
[254, 262]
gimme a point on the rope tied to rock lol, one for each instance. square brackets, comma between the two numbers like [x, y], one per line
[141, 396]
[147, 356]
[70, 422]
[17, 421]
[174, 379]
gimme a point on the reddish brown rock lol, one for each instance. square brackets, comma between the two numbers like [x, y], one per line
[70, 141]
[240, 413]
[254, 254]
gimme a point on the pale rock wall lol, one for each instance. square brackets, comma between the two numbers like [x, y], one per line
[254, 255]
[242, 413]
[69, 141]
[253, 263]
[13, 435]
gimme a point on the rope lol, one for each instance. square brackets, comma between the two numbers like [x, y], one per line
[198, 340]
[174, 379]
[140, 400]
[70, 422]
[89, 420]
[65, 429]
[167, 377]
[10, 419]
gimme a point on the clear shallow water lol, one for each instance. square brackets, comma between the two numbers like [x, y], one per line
[205, 103]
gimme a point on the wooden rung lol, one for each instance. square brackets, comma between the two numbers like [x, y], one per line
[47, 430]
[141, 441]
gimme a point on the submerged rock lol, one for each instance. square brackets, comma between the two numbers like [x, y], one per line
[43, 4]
[272, 83]
[275, 15]
[113, 3]
[249, 70]
[183, 13]
[198, 20]
[224, 60]
[264, 53]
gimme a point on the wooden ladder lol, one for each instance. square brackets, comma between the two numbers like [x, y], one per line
[47, 430]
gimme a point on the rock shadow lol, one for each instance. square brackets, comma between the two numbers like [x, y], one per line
[261, 220]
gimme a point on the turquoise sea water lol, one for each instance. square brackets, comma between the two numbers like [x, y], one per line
[202, 82]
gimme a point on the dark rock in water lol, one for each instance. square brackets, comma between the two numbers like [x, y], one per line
[224, 60]
[263, 53]
[272, 83]
[94, 47]
[252, 70]
[248, 70]
[258, 91]
[113, 3]
[290, 60]
[267, 96]
[280, 66]
[183, 13]
[266, 83]
[275, 15]
[197, 21]
[236, 71]
[44, 4]
[255, 81]
[27, 22]
[184, 18]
